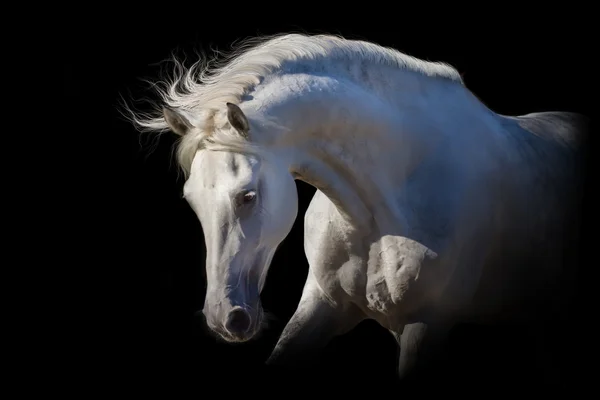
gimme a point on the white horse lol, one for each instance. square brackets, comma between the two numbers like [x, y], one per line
[430, 209]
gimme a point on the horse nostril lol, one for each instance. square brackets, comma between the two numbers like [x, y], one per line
[238, 321]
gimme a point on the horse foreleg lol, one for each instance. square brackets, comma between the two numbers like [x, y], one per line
[316, 321]
[418, 343]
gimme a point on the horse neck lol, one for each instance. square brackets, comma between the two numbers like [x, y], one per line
[357, 143]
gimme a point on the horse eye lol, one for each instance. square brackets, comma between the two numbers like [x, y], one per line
[248, 197]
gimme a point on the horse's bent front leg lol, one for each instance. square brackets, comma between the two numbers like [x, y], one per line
[316, 321]
[419, 343]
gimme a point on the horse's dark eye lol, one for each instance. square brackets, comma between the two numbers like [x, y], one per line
[247, 197]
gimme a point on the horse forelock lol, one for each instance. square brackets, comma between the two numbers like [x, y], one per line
[202, 90]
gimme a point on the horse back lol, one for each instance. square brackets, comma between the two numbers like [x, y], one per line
[565, 128]
[535, 255]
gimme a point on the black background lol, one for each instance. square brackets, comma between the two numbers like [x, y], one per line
[150, 260]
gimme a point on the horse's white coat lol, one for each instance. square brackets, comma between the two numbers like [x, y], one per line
[430, 207]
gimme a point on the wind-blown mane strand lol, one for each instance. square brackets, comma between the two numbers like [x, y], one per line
[202, 89]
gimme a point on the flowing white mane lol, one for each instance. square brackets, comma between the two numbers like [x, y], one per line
[199, 91]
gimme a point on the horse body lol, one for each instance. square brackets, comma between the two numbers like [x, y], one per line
[424, 194]
[483, 247]
[498, 200]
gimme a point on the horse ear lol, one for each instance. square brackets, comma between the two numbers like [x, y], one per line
[237, 119]
[176, 121]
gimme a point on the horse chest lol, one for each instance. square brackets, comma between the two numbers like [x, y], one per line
[383, 275]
